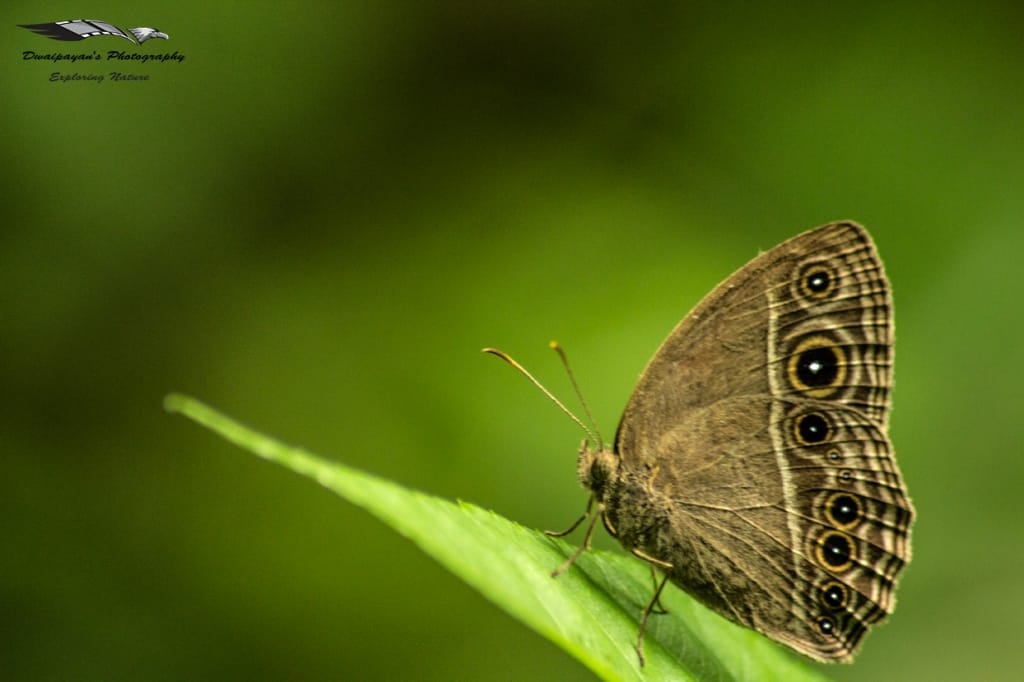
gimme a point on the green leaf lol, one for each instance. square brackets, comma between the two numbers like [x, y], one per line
[591, 611]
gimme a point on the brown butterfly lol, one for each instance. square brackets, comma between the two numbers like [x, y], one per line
[752, 466]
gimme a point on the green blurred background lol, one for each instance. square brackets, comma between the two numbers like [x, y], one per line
[318, 218]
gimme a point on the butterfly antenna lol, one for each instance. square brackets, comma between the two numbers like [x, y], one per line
[555, 346]
[522, 370]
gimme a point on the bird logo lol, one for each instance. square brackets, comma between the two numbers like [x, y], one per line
[80, 29]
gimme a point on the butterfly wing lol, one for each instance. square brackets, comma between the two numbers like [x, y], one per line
[757, 432]
[744, 338]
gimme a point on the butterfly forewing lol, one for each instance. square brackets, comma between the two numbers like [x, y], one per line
[753, 455]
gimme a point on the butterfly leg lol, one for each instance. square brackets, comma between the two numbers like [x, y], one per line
[658, 608]
[584, 546]
[575, 524]
[643, 620]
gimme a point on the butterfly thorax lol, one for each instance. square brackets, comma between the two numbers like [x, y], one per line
[632, 512]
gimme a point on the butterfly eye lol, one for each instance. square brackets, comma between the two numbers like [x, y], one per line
[835, 551]
[812, 428]
[843, 510]
[817, 366]
[834, 595]
[817, 281]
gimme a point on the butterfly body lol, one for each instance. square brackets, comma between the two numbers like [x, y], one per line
[752, 463]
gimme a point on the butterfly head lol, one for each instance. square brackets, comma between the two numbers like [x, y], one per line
[596, 466]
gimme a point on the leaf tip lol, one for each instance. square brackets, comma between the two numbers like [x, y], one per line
[175, 403]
